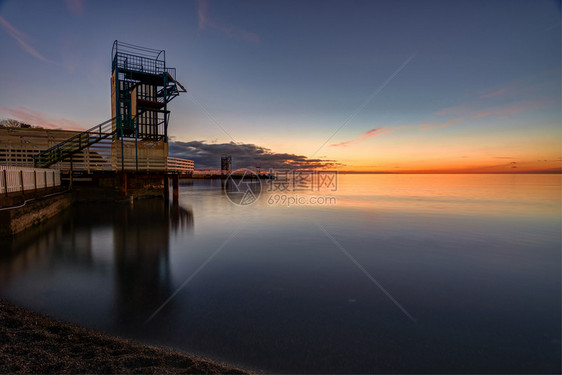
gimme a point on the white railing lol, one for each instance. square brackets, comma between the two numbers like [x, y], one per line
[22, 179]
[180, 165]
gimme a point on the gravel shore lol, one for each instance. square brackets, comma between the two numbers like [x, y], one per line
[33, 343]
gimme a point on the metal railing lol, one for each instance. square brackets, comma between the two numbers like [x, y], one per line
[74, 144]
[125, 61]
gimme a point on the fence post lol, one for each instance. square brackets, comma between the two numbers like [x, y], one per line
[21, 181]
[35, 179]
[54, 178]
[5, 182]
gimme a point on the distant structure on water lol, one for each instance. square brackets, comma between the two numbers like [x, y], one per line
[226, 164]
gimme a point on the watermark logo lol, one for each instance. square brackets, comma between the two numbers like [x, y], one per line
[242, 187]
[288, 180]
[287, 187]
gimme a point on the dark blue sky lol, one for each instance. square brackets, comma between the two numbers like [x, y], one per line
[482, 78]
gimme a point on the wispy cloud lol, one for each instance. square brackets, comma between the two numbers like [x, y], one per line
[514, 108]
[502, 91]
[207, 156]
[75, 7]
[460, 114]
[464, 108]
[23, 40]
[440, 125]
[364, 136]
[473, 111]
[206, 21]
[552, 27]
[32, 117]
[516, 89]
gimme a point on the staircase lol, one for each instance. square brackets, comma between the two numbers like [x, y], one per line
[171, 90]
[75, 144]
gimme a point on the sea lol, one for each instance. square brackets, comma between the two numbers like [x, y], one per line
[318, 273]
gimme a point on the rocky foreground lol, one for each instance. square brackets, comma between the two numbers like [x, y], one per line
[33, 343]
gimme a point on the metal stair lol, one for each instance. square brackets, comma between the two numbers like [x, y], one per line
[75, 144]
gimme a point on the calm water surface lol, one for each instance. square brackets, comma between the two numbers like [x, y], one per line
[475, 260]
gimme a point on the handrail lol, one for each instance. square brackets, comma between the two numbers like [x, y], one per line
[76, 143]
[80, 135]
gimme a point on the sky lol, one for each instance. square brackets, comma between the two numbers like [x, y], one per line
[371, 86]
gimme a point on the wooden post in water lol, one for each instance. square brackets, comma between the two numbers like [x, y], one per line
[166, 188]
[176, 183]
[123, 183]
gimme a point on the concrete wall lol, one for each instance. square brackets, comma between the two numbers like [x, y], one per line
[33, 212]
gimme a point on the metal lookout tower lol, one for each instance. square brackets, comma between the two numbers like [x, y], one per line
[141, 88]
[137, 133]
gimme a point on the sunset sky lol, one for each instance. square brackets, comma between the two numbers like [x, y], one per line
[395, 86]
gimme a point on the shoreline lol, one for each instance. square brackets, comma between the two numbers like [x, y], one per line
[34, 343]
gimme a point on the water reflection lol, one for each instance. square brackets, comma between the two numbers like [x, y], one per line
[181, 218]
[141, 235]
[131, 240]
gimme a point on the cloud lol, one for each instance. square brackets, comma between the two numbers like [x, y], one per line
[515, 108]
[208, 22]
[75, 7]
[511, 98]
[370, 134]
[455, 110]
[552, 27]
[463, 112]
[23, 40]
[363, 136]
[499, 92]
[37, 118]
[440, 125]
[208, 156]
[501, 110]
[515, 89]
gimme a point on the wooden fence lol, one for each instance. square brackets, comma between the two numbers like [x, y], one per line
[13, 179]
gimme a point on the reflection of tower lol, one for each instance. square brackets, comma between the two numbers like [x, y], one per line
[226, 164]
[141, 244]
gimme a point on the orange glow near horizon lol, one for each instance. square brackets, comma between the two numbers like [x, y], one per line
[483, 166]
